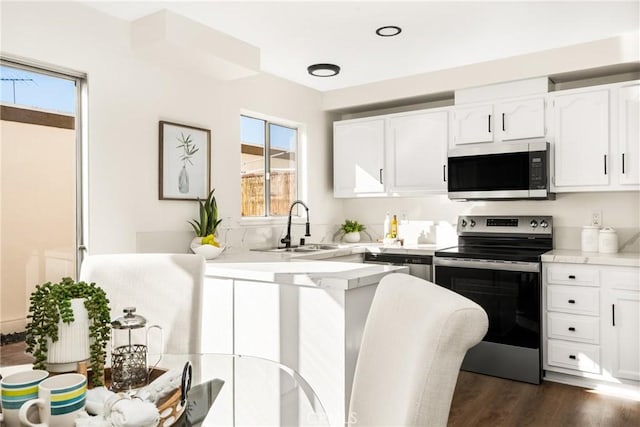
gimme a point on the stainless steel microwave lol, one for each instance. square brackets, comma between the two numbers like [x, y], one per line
[500, 172]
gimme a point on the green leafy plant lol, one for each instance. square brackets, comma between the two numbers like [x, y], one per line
[188, 148]
[50, 303]
[352, 226]
[209, 220]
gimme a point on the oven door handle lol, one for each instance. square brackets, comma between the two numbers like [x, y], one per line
[533, 267]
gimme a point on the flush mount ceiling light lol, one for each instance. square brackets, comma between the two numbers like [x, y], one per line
[388, 31]
[323, 70]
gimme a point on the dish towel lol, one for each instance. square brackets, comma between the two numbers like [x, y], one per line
[117, 410]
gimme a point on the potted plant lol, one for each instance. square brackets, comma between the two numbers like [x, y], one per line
[68, 310]
[351, 230]
[205, 243]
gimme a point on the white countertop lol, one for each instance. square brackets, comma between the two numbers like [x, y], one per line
[578, 257]
[320, 274]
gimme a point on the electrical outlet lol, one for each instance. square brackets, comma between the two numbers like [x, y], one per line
[596, 218]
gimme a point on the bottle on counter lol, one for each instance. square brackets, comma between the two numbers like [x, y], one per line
[393, 227]
[387, 224]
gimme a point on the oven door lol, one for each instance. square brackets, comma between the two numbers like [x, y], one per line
[508, 291]
[510, 294]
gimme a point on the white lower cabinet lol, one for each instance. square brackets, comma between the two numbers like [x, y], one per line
[573, 327]
[621, 323]
[591, 321]
[571, 355]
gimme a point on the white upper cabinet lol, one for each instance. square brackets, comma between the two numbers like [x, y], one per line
[596, 136]
[473, 124]
[629, 134]
[358, 157]
[505, 120]
[581, 128]
[521, 119]
[395, 154]
[417, 152]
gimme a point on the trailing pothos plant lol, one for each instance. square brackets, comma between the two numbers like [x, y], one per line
[50, 303]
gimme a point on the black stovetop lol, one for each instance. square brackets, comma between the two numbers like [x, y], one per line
[493, 253]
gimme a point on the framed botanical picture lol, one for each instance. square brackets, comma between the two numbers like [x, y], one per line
[184, 162]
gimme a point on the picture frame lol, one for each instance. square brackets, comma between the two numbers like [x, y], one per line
[184, 166]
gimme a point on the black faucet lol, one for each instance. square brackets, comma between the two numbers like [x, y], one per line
[287, 239]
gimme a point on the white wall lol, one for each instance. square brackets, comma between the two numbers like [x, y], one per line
[127, 98]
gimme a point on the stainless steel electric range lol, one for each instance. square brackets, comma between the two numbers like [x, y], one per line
[497, 265]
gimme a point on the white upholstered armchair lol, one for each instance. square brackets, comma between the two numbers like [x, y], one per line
[164, 288]
[414, 340]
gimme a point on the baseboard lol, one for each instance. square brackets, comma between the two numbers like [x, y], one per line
[625, 389]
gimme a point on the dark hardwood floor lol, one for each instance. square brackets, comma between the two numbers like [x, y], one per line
[480, 400]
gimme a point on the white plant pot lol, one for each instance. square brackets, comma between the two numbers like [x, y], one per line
[207, 251]
[353, 237]
[73, 341]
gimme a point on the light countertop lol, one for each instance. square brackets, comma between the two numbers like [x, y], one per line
[311, 273]
[595, 258]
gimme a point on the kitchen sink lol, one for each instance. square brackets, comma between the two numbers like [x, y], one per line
[304, 249]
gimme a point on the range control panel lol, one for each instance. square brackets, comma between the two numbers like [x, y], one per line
[480, 224]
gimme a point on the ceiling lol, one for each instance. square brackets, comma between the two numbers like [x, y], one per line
[292, 35]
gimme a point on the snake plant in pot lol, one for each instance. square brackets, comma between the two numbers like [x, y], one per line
[205, 243]
[70, 323]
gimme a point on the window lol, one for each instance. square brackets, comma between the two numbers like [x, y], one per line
[268, 167]
[32, 89]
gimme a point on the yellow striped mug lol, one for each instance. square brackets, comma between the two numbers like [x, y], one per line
[60, 399]
[15, 390]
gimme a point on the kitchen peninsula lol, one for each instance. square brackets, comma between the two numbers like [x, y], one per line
[306, 314]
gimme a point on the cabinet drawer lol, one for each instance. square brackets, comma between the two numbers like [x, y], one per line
[573, 299]
[572, 275]
[573, 327]
[581, 357]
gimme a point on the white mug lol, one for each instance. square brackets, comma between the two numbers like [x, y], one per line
[60, 399]
[16, 389]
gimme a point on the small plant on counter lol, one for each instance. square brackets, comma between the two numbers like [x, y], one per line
[50, 303]
[208, 222]
[352, 226]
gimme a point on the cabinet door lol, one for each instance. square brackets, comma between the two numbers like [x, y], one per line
[520, 119]
[621, 325]
[581, 122]
[474, 124]
[358, 157]
[417, 152]
[629, 136]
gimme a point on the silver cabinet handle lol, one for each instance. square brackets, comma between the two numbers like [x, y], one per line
[381, 176]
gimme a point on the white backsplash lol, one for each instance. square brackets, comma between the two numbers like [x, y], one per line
[430, 220]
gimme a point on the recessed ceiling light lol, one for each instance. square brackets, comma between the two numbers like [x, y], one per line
[388, 31]
[323, 70]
